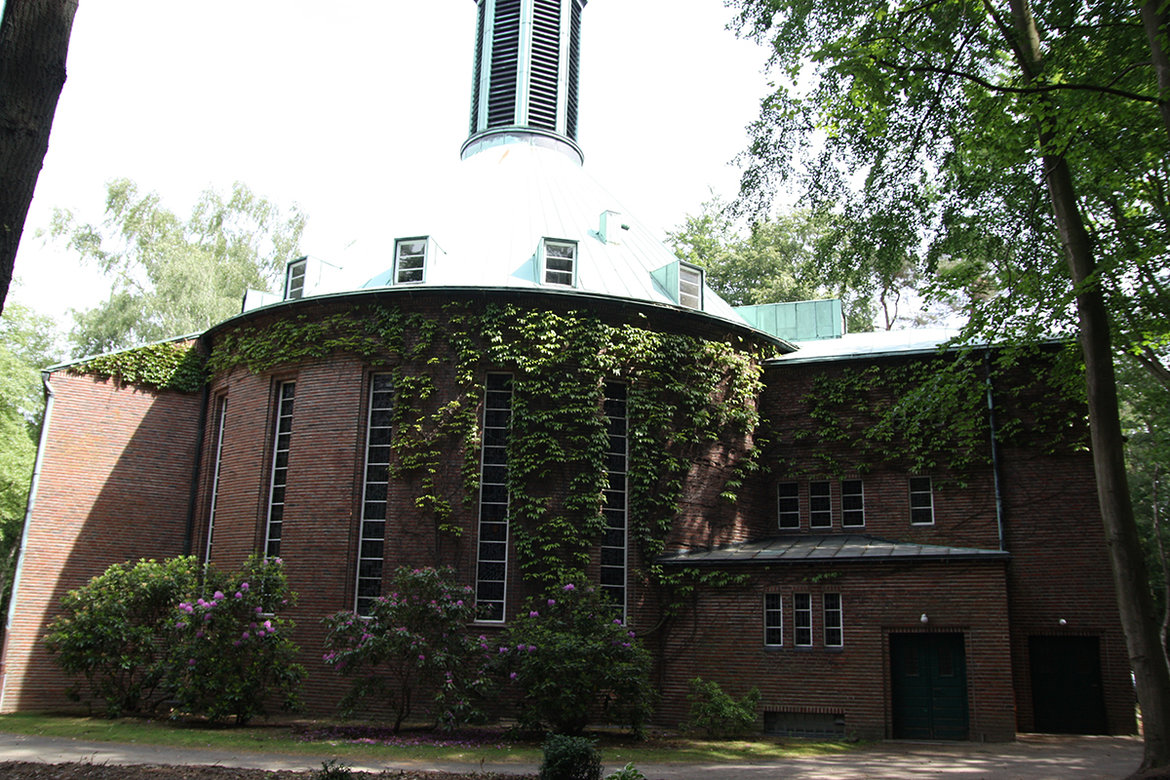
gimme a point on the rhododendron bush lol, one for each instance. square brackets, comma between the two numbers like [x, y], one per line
[414, 643]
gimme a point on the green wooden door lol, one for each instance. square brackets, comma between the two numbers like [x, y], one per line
[928, 682]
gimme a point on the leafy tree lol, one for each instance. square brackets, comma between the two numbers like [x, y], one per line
[27, 344]
[572, 659]
[797, 256]
[34, 41]
[413, 640]
[993, 141]
[717, 714]
[170, 276]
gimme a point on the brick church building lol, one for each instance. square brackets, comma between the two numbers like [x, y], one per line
[535, 382]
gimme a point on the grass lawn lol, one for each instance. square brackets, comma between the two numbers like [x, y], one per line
[474, 745]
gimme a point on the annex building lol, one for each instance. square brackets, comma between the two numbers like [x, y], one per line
[537, 388]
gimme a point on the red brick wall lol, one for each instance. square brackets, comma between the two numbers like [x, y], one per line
[114, 486]
[721, 638]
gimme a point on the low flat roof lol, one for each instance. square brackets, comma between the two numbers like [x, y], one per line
[803, 548]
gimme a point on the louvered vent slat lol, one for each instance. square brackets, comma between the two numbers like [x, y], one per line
[505, 64]
[546, 55]
[478, 70]
[574, 68]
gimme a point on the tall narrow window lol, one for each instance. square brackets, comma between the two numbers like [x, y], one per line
[820, 505]
[376, 480]
[294, 278]
[613, 545]
[834, 630]
[560, 262]
[852, 504]
[491, 574]
[690, 286]
[802, 619]
[921, 501]
[280, 449]
[788, 504]
[220, 416]
[773, 620]
[410, 260]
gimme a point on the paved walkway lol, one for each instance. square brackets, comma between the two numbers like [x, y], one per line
[1032, 757]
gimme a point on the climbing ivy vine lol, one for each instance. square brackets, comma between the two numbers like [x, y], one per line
[169, 365]
[685, 394]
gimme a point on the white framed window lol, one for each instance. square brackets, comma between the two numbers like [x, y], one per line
[788, 505]
[614, 542]
[274, 529]
[773, 620]
[220, 418]
[690, 286]
[410, 260]
[820, 504]
[491, 568]
[559, 261]
[375, 485]
[921, 501]
[802, 619]
[294, 278]
[834, 620]
[852, 503]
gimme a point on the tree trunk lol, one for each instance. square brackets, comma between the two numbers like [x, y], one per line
[34, 39]
[1157, 23]
[1135, 603]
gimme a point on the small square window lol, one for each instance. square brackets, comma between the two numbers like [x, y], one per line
[921, 501]
[294, 279]
[788, 498]
[410, 260]
[852, 504]
[560, 262]
[690, 286]
[820, 505]
[773, 620]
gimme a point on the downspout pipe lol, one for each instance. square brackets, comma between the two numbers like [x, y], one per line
[995, 462]
[28, 510]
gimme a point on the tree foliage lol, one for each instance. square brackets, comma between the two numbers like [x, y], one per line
[27, 344]
[991, 141]
[173, 276]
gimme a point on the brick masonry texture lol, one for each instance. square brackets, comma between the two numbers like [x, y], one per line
[120, 461]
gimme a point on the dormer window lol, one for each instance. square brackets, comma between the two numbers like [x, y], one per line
[560, 262]
[294, 278]
[410, 260]
[690, 286]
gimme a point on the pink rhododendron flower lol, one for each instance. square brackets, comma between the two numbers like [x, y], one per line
[534, 613]
[569, 587]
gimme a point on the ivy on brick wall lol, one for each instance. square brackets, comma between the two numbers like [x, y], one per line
[170, 365]
[931, 414]
[685, 394]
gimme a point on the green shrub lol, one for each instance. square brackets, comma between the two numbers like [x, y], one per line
[570, 758]
[333, 770]
[627, 772]
[142, 634]
[718, 714]
[414, 639]
[570, 657]
[113, 630]
[233, 652]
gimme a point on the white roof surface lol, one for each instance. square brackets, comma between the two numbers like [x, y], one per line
[878, 342]
[487, 223]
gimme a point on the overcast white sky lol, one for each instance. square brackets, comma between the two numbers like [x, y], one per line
[338, 107]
